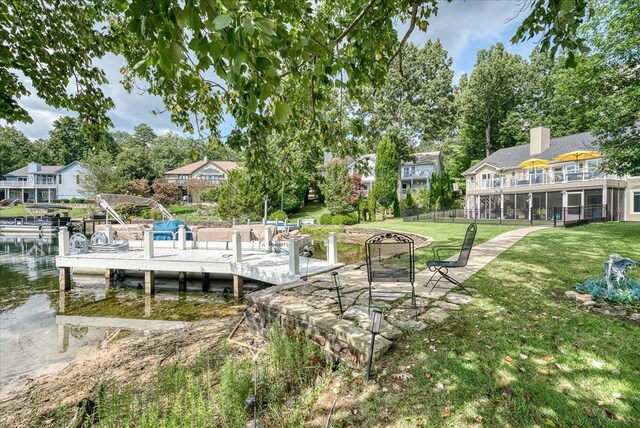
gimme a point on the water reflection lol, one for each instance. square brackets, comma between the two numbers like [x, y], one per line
[33, 339]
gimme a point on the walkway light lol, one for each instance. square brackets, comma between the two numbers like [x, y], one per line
[336, 283]
[376, 320]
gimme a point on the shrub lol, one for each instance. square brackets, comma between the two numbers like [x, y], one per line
[235, 387]
[342, 219]
[325, 219]
[278, 215]
[396, 208]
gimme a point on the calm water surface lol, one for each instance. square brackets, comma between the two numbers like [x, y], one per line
[30, 340]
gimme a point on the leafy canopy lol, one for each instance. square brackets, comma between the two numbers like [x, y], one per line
[252, 61]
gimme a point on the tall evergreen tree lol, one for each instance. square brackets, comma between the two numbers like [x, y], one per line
[385, 189]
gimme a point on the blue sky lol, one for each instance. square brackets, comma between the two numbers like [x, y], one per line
[464, 27]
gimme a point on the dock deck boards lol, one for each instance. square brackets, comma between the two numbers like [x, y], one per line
[271, 268]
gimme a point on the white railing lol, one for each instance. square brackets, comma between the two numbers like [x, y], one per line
[538, 179]
[26, 184]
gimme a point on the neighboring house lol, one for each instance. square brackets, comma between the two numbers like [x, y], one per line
[500, 187]
[213, 172]
[43, 183]
[413, 175]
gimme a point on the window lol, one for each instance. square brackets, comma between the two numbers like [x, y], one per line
[636, 202]
[60, 179]
[77, 179]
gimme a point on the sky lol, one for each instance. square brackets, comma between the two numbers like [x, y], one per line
[463, 26]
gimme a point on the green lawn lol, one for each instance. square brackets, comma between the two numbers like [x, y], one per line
[312, 211]
[21, 210]
[522, 354]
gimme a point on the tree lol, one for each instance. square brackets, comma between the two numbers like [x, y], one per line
[487, 97]
[171, 151]
[66, 141]
[239, 197]
[166, 192]
[14, 149]
[336, 187]
[195, 187]
[357, 189]
[385, 189]
[139, 188]
[203, 59]
[415, 105]
[101, 176]
[408, 202]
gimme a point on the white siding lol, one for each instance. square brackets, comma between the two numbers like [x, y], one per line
[70, 178]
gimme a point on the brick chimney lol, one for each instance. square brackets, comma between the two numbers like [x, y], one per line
[540, 138]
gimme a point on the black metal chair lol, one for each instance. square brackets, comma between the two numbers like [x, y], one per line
[439, 266]
[390, 258]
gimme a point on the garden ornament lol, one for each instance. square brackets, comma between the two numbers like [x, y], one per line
[616, 269]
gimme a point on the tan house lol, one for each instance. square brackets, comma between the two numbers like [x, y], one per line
[210, 171]
[550, 179]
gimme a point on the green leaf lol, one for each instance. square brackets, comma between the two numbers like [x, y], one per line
[265, 25]
[283, 111]
[222, 21]
[247, 24]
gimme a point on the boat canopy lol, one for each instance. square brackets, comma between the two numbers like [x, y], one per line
[108, 201]
[166, 230]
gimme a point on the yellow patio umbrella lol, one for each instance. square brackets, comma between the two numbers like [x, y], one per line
[534, 163]
[578, 155]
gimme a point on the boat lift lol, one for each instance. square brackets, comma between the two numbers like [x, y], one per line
[107, 201]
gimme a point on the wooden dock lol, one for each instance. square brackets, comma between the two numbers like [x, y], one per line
[270, 268]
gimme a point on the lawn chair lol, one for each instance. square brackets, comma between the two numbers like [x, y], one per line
[439, 266]
[390, 258]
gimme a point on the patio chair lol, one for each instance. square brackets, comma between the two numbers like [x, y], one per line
[441, 267]
[390, 258]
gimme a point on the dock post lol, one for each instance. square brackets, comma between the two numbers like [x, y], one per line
[267, 238]
[333, 249]
[108, 273]
[108, 228]
[182, 281]
[148, 245]
[205, 282]
[182, 238]
[149, 275]
[236, 241]
[294, 257]
[238, 283]
[64, 250]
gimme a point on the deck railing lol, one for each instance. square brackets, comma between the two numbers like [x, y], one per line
[538, 179]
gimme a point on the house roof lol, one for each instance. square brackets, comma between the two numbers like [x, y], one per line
[424, 157]
[193, 167]
[44, 170]
[511, 157]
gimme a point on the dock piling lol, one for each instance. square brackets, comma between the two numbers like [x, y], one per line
[149, 282]
[182, 237]
[148, 245]
[236, 246]
[294, 257]
[238, 286]
[267, 239]
[108, 228]
[333, 249]
[182, 281]
[64, 249]
[108, 274]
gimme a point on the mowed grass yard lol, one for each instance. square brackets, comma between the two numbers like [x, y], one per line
[520, 355]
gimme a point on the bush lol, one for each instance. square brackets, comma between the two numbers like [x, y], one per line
[325, 219]
[342, 219]
[278, 215]
[64, 201]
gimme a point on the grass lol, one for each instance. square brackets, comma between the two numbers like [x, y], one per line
[477, 356]
[213, 389]
[312, 211]
[21, 211]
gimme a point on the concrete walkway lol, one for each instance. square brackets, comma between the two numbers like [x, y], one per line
[314, 303]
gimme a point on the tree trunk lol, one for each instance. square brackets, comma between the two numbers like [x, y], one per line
[487, 139]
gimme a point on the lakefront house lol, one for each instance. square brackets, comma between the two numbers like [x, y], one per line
[43, 183]
[547, 178]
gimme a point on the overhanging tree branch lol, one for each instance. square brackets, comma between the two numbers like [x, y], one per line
[358, 18]
[412, 25]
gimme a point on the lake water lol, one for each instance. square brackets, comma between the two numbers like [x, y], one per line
[30, 340]
[32, 343]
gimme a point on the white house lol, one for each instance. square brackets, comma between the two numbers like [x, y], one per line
[43, 183]
[414, 175]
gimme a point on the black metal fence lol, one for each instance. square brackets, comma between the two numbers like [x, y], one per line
[556, 216]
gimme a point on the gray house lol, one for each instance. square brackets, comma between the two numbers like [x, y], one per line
[43, 183]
